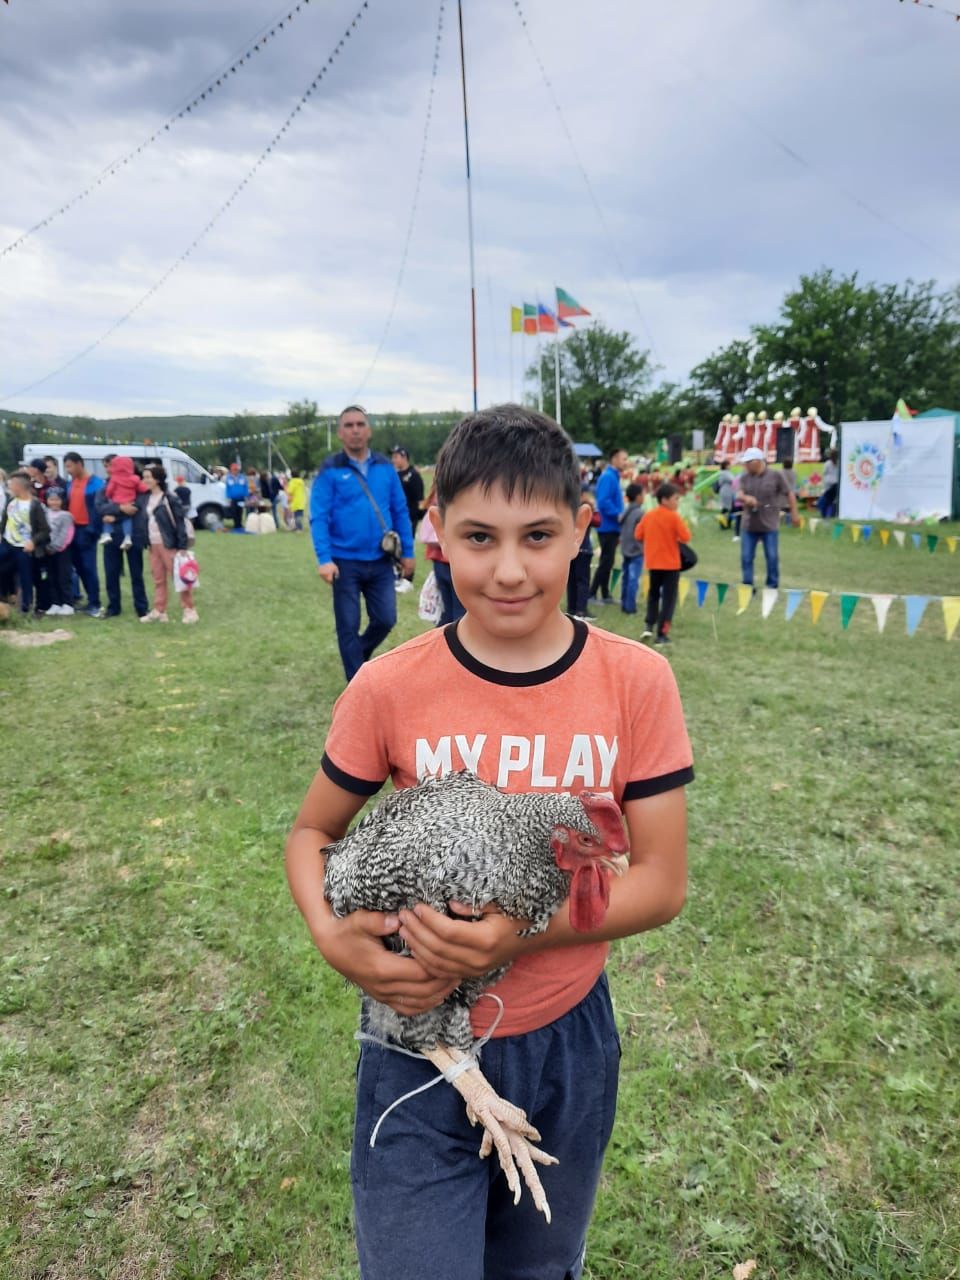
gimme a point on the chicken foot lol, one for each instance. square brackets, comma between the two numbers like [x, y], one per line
[506, 1127]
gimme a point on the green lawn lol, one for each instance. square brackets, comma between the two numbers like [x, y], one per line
[176, 1063]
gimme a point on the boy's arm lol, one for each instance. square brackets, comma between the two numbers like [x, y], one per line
[651, 892]
[353, 946]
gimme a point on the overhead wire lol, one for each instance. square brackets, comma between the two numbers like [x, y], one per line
[413, 207]
[925, 4]
[208, 88]
[182, 258]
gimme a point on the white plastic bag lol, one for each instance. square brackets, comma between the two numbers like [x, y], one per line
[186, 571]
[430, 608]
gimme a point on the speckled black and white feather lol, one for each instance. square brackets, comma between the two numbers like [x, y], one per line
[452, 838]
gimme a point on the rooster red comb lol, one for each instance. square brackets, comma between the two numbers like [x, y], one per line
[604, 812]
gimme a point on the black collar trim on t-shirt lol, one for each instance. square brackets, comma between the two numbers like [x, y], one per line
[518, 679]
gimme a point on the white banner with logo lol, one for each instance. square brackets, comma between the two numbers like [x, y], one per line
[896, 470]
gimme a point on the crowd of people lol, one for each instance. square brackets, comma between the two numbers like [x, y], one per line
[52, 526]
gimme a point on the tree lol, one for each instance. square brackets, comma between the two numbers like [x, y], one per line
[601, 372]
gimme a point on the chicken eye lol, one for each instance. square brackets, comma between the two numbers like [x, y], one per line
[589, 841]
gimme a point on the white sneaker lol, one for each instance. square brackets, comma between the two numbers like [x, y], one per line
[66, 610]
[126, 544]
[647, 635]
[105, 540]
[190, 615]
[54, 611]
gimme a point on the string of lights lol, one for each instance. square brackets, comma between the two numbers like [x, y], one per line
[234, 195]
[611, 241]
[925, 4]
[192, 104]
[413, 209]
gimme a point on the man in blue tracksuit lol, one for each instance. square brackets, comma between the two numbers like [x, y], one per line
[610, 509]
[347, 530]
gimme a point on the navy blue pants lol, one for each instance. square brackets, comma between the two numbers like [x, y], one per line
[373, 580]
[83, 551]
[427, 1208]
[748, 550]
[21, 562]
[113, 568]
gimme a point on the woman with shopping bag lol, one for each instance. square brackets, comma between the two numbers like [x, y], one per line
[169, 550]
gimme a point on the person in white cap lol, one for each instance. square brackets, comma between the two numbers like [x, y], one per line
[764, 494]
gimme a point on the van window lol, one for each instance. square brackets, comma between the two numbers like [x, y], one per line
[191, 472]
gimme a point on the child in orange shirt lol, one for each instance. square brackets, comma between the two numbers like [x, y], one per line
[661, 531]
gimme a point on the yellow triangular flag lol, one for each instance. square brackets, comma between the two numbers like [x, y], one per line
[884, 536]
[744, 596]
[683, 591]
[801, 521]
[951, 614]
[817, 600]
[951, 544]
[855, 531]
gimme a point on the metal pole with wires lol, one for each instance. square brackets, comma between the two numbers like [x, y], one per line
[466, 142]
[556, 375]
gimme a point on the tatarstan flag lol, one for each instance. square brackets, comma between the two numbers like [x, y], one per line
[516, 320]
[529, 318]
[568, 305]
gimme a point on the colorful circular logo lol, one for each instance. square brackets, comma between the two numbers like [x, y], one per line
[866, 465]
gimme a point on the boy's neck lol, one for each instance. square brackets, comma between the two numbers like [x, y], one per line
[526, 653]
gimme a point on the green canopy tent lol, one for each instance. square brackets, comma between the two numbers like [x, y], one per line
[955, 415]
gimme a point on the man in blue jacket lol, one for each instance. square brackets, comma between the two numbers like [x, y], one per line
[356, 497]
[610, 509]
[82, 490]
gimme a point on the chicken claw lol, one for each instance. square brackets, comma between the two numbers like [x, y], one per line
[506, 1128]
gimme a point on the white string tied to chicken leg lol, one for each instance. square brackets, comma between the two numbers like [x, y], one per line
[450, 1074]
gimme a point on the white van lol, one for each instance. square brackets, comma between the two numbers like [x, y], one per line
[208, 495]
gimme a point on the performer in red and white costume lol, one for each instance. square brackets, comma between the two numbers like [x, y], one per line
[736, 436]
[723, 441]
[749, 432]
[808, 438]
[760, 430]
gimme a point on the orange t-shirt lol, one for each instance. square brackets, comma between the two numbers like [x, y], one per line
[660, 530]
[605, 716]
[77, 502]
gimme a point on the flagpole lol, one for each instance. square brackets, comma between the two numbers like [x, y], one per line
[510, 351]
[539, 360]
[466, 142]
[556, 374]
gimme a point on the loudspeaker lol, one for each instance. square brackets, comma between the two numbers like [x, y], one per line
[676, 448]
[785, 442]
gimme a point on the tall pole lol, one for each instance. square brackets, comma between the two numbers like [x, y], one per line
[539, 366]
[556, 376]
[466, 142]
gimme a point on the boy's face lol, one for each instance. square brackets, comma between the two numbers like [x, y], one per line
[510, 559]
[672, 502]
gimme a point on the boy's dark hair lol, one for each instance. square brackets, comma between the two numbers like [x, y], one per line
[617, 448]
[725, 465]
[73, 456]
[523, 451]
[666, 491]
[48, 457]
[633, 491]
[108, 457]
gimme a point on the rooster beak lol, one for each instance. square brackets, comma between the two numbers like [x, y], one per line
[617, 864]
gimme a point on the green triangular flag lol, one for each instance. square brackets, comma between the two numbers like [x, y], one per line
[847, 605]
[932, 541]
[837, 530]
[722, 589]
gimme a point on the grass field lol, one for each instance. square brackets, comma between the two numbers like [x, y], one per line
[176, 1063]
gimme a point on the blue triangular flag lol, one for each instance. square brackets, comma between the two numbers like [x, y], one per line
[915, 610]
[702, 589]
[866, 531]
[916, 540]
[793, 602]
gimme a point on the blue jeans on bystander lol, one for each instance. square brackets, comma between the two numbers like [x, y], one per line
[748, 550]
[630, 582]
[373, 580]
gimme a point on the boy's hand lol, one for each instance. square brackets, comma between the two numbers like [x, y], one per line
[461, 948]
[354, 947]
[328, 572]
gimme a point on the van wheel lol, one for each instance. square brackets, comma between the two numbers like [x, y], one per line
[210, 518]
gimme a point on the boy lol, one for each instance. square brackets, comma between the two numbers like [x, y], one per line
[630, 549]
[661, 531]
[509, 691]
[24, 534]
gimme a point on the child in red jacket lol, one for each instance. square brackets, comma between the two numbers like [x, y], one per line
[122, 487]
[661, 531]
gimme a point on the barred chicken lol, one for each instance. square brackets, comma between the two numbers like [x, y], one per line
[457, 838]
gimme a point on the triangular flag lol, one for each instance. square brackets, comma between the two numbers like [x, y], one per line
[915, 539]
[855, 530]
[516, 320]
[951, 544]
[951, 614]
[801, 521]
[837, 530]
[768, 600]
[932, 541]
[702, 589]
[568, 305]
[744, 596]
[884, 536]
[916, 606]
[900, 536]
[867, 530]
[529, 317]
[722, 589]
[903, 410]
[817, 601]
[793, 602]
[847, 605]
[881, 607]
[683, 591]
[814, 521]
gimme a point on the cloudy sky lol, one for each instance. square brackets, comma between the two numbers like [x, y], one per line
[730, 146]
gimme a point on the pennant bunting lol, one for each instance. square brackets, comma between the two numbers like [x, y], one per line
[916, 607]
[702, 589]
[855, 531]
[932, 541]
[683, 591]
[794, 598]
[951, 544]
[814, 522]
[915, 539]
[516, 319]
[881, 607]
[837, 531]
[768, 600]
[867, 531]
[884, 536]
[801, 521]
[817, 600]
[744, 596]
[614, 578]
[900, 536]
[848, 602]
[722, 589]
[951, 614]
